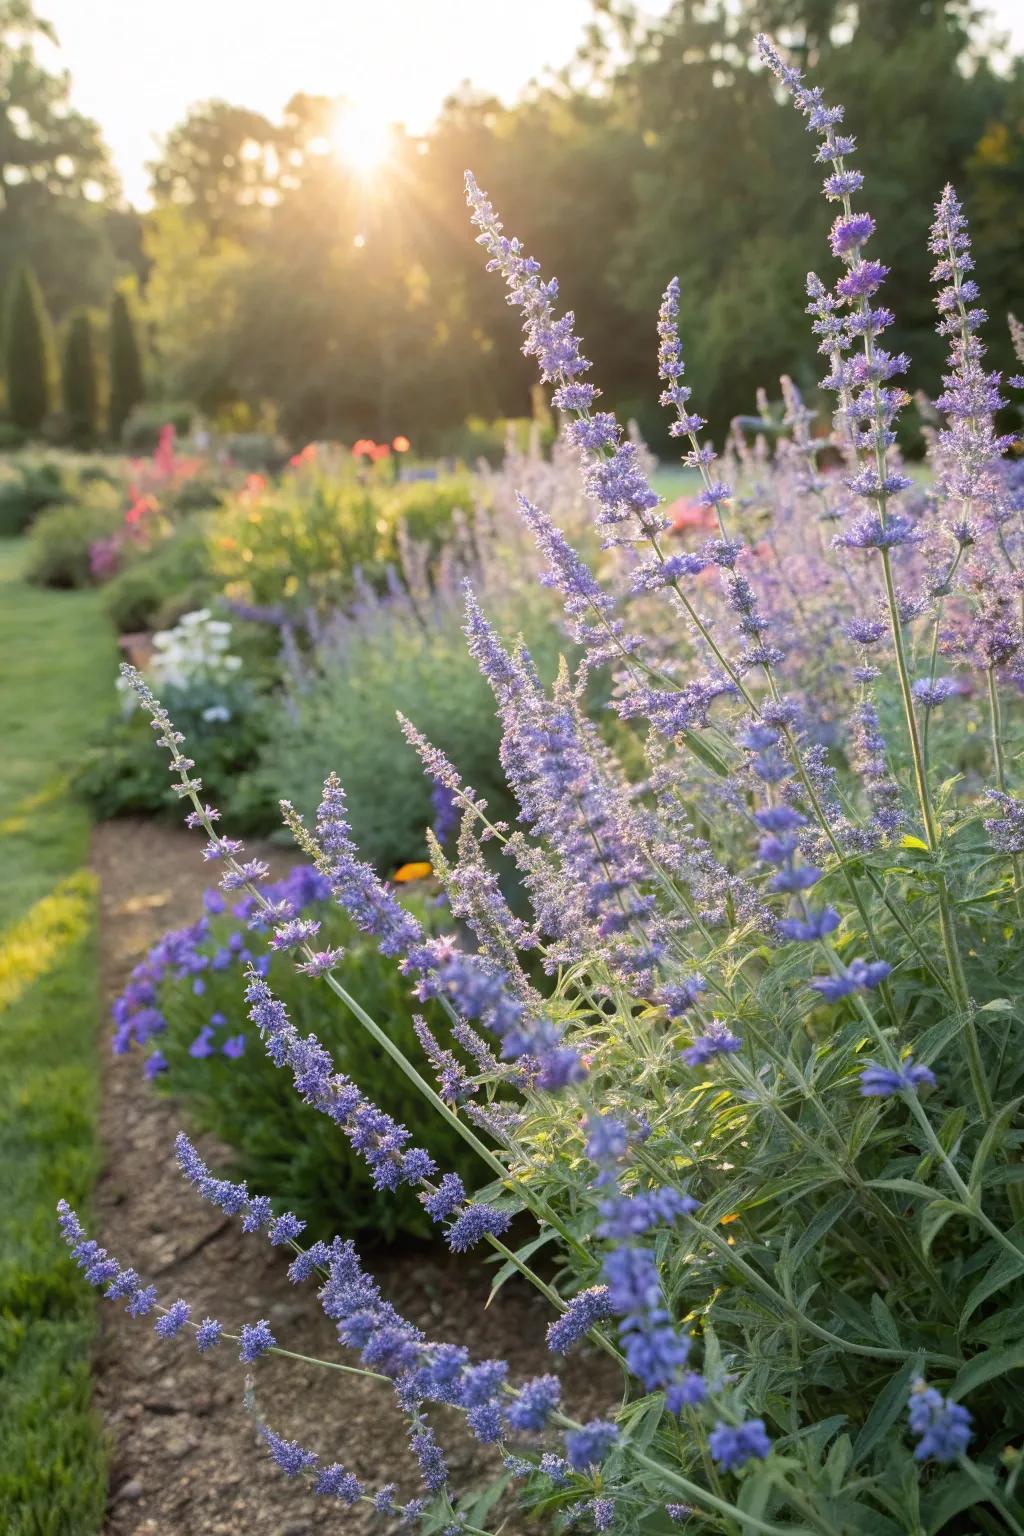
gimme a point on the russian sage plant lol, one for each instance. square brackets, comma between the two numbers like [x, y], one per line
[751, 1064]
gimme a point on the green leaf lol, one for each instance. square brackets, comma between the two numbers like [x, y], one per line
[933, 1219]
[508, 1269]
[643, 1427]
[888, 1406]
[849, 1514]
[953, 1495]
[986, 1367]
[930, 1045]
[755, 1491]
[837, 1463]
[707, 755]
[1005, 1269]
[990, 1141]
[903, 1187]
[885, 1321]
[823, 1222]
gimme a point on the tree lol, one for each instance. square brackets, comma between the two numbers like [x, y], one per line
[80, 381]
[221, 163]
[55, 172]
[29, 353]
[127, 387]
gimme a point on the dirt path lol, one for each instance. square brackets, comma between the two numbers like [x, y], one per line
[185, 1457]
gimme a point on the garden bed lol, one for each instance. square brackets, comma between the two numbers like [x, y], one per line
[185, 1454]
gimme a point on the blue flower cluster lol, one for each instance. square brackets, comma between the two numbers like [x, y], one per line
[225, 938]
[942, 1427]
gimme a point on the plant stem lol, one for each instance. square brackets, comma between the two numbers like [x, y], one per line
[990, 1495]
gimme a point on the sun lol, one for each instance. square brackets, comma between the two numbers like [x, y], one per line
[360, 138]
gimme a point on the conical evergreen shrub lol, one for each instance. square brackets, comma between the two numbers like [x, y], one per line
[29, 357]
[127, 387]
[80, 380]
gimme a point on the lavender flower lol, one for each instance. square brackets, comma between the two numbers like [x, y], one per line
[535, 1404]
[256, 1339]
[716, 1040]
[1007, 829]
[733, 1445]
[354, 885]
[474, 1223]
[173, 1320]
[930, 692]
[289, 1455]
[334, 1482]
[584, 1310]
[969, 446]
[943, 1427]
[878, 1082]
[859, 976]
[208, 1334]
[588, 1447]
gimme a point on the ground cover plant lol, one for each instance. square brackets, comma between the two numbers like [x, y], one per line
[767, 1115]
[56, 654]
[183, 1007]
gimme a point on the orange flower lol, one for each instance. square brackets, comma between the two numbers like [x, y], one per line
[363, 445]
[410, 872]
[379, 451]
[254, 484]
[401, 444]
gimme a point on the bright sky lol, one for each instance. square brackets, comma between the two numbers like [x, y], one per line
[137, 65]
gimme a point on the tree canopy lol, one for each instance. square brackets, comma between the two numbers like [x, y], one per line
[272, 276]
[58, 188]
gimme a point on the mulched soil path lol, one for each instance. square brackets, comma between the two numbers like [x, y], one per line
[186, 1460]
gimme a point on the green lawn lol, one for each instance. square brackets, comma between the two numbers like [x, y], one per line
[673, 480]
[56, 661]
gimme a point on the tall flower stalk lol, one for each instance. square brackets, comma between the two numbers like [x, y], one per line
[869, 407]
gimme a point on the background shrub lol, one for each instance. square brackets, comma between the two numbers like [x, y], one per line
[141, 430]
[61, 538]
[301, 540]
[171, 579]
[390, 654]
[28, 485]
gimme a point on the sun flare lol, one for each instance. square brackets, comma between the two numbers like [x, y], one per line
[360, 139]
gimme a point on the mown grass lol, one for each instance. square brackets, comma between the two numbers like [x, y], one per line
[56, 658]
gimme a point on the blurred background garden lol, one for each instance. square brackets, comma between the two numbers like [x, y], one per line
[261, 415]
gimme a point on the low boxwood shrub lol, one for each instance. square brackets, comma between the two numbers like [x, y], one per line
[27, 487]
